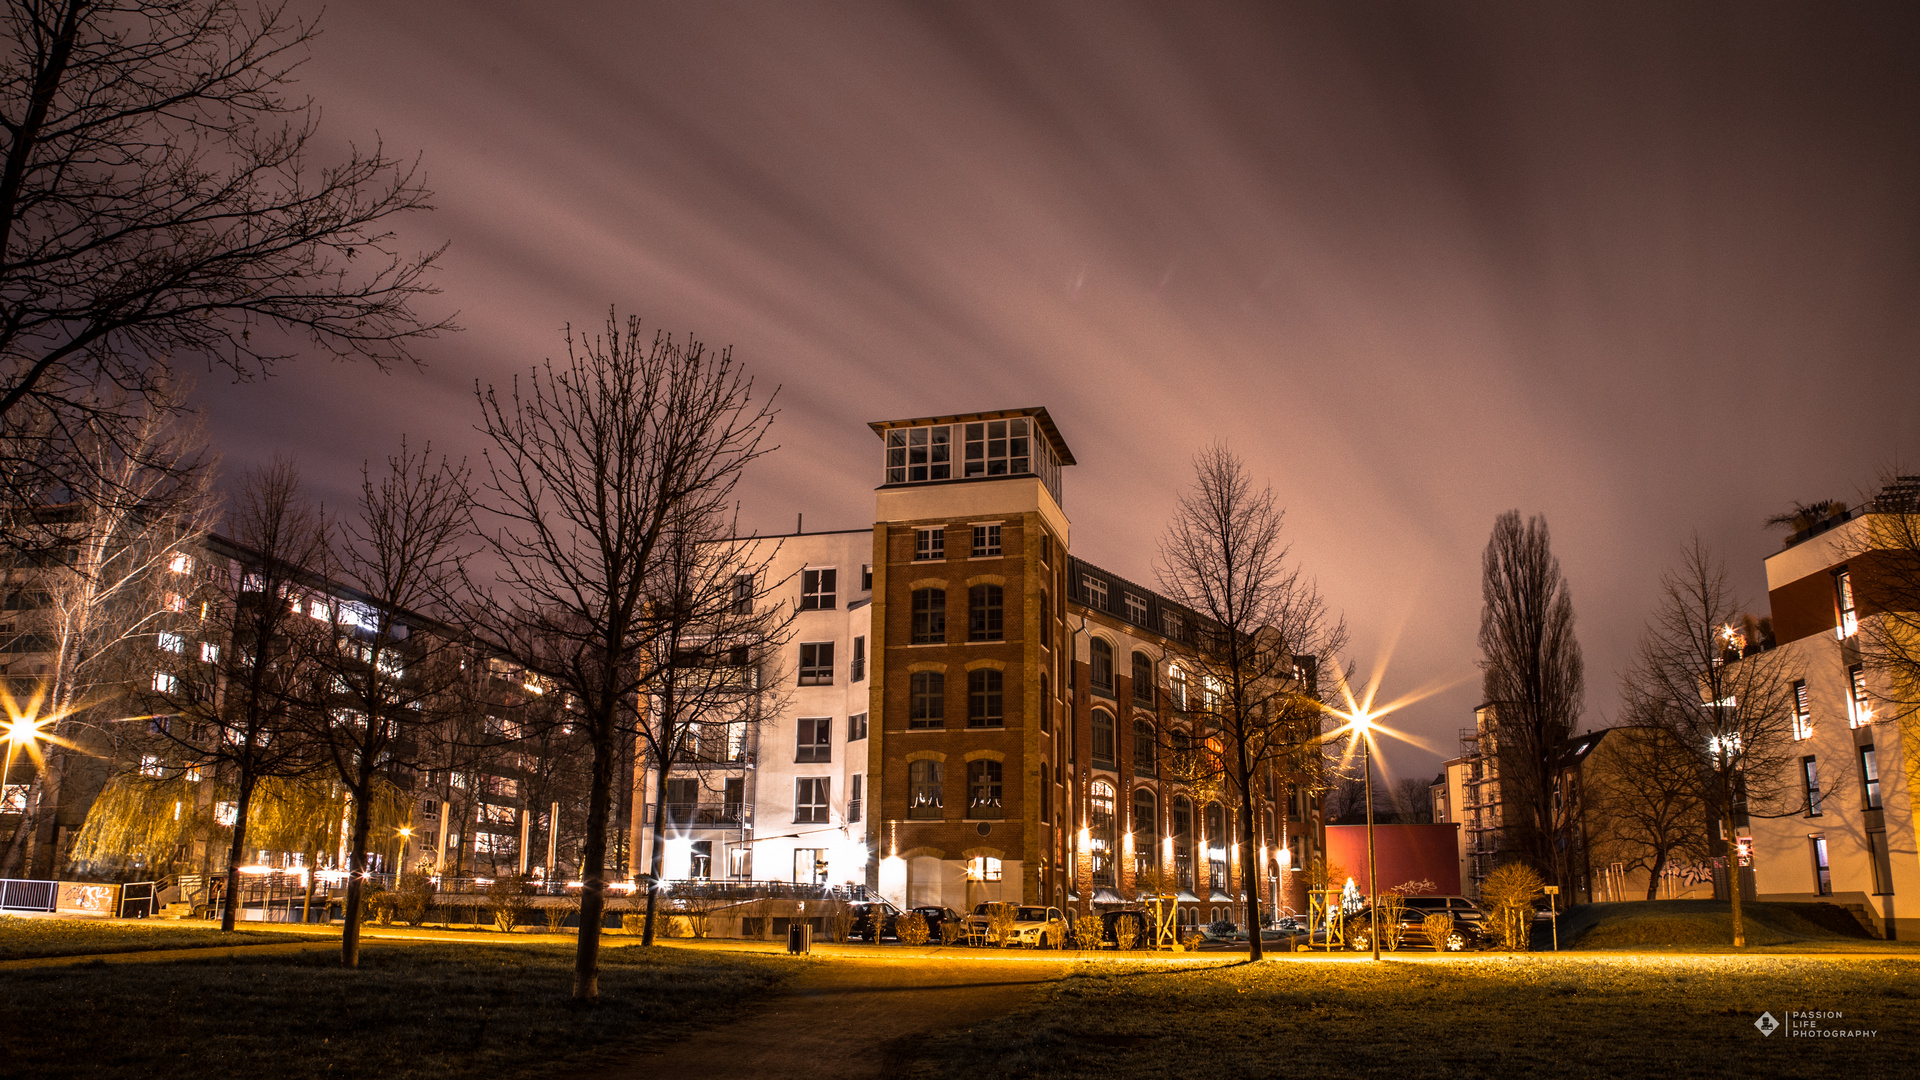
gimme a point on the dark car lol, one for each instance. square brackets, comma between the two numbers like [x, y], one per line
[864, 914]
[943, 923]
[1469, 924]
[1142, 928]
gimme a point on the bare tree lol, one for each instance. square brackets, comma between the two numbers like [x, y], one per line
[1641, 794]
[594, 459]
[1888, 585]
[1262, 630]
[235, 708]
[391, 664]
[159, 203]
[1412, 800]
[104, 609]
[1346, 795]
[1728, 706]
[713, 634]
[1534, 678]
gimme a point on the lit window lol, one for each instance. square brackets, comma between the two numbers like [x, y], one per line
[150, 765]
[1810, 782]
[163, 682]
[984, 868]
[929, 544]
[986, 541]
[176, 602]
[1100, 837]
[318, 609]
[1860, 709]
[1869, 777]
[1802, 711]
[1843, 594]
[172, 643]
[924, 795]
[810, 865]
[984, 789]
[817, 590]
[225, 814]
[180, 563]
[209, 652]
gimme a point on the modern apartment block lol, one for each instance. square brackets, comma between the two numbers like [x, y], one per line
[966, 712]
[1854, 842]
[1468, 793]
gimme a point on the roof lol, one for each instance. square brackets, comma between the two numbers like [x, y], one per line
[1040, 418]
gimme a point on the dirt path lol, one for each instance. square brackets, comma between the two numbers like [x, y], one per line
[839, 1019]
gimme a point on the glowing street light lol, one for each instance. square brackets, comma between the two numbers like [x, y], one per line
[400, 862]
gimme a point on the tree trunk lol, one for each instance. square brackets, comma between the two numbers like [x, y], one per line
[10, 865]
[658, 849]
[1733, 879]
[356, 877]
[593, 856]
[306, 903]
[237, 849]
[1653, 882]
[1249, 867]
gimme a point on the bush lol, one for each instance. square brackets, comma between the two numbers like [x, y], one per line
[1223, 928]
[1392, 905]
[1438, 927]
[415, 899]
[1000, 920]
[1508, 893]
[633, 922]
[910, 928]
[1126, 933]
[1088, 932]
[1193, 940]
[840, 921]
[381, 906]
[508, 900]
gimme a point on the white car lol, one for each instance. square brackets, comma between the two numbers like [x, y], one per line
[1034, 927]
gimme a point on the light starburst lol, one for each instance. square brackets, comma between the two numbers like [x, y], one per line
[27, 727]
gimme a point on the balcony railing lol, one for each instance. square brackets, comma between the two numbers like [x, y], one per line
[712, 815]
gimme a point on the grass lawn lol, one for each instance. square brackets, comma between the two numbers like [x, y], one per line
[1665, 1016]
[409, 1011]
[23, 939]
[1694, 925]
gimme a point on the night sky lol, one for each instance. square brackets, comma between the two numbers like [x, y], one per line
[1646, 269]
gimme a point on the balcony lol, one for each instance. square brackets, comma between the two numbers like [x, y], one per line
[707, 815]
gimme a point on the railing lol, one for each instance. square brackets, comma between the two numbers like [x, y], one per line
[19, 894]
[721, 815]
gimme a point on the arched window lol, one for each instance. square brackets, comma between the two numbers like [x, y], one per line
[929, 616]
[1103, 738]
[1143, 679]
[1100, 831]
[984, 699]
[983, 789]
[1046, 621]
[1046, 702]
[924, 795]
[1182, 828]
[984, 613]
[1101, 666]
[1177, 687]
[928, 708]
[1216, 847]
[1146, 749]
[1146, 836]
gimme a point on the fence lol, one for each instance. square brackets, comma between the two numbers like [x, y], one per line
[17, 894]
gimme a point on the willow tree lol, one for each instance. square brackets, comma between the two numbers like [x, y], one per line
[1260, 633]
[594, 459]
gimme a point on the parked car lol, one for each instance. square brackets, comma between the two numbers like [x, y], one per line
[1109, 933]
[1469, 924]
[864, 914]
[942, 923]
[1035, 927]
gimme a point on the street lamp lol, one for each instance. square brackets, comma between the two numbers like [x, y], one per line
[400, 864]
[1362, 725]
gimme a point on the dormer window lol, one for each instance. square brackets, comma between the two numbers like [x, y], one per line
[920, 455]
[1096, 590]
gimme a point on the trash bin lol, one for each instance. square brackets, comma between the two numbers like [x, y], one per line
[799, 937]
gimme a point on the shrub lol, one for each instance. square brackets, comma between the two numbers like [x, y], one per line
[1438, 927]
[840, 921]
[415, 899]
[508, 900]
[1000, 920]
[1088, 932]
[1193, 940]
[1392, 905]
[1222, 928]
[1126, 933]
[381, 906]
[633, 922]
[910, 928]
[1508, 893]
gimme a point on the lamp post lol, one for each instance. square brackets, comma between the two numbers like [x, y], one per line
[400, 863]
[1360, 726]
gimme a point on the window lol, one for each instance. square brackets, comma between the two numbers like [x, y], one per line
[816, 663]
[743, 594]
[984, 868]
[810, 865]
[984, 699]
[1869, 778]
[1177, 688]
[986, 541]
[1860, 710]
[1216, 840]
[817, 589]
[856, 727]
[1882, 865]
[983, 789]
[1046, 621]
[1843, 596]
[180, 563]
[929, 616]
[984, 613]
[740, 861]
[1143, 679]
[1145, 747]
[1103, 738]
[815, 739]
[998, 447]
[1822, 874]
[209, 652]
[929, 544]
[1810, 781]
[1096, 590]
[928, 708]
[733, 797]
[1100, 831]
[164, 683]
[1136, 609]
[810, 800]
[854, 800]
[1183, 841]
[1802, 711]
[151, 765]
[866, 577]
[1171, 626]
[1046, 795]
[857, 670]
[919, 455]
[1046, 702]
[177, 602]
[700, 860]
[172, 643]
[923, 790]
[1100, 661]
[1145, 842]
